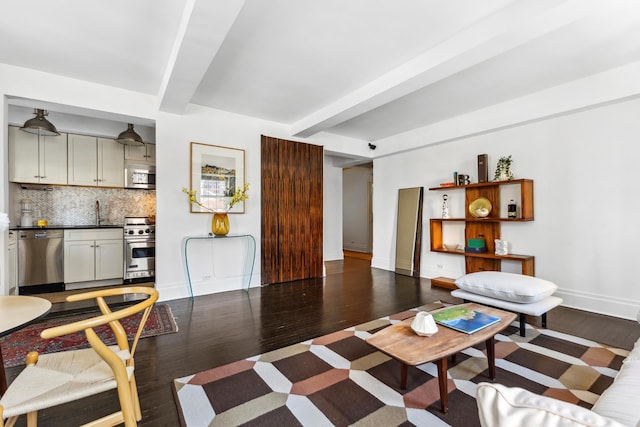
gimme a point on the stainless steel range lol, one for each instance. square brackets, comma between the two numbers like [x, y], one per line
[139, 248]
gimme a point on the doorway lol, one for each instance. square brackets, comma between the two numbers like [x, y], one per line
[357, 211]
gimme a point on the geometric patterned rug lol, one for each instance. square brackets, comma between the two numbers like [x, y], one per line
[15, 346]
[339, 379]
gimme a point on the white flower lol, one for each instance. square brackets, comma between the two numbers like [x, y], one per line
[4, 221]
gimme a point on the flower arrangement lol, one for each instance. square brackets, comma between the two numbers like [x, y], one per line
[503, 169]
[239, 196]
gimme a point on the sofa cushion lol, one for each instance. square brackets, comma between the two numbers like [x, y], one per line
[511, 406]
[507, 286]
[620, 401]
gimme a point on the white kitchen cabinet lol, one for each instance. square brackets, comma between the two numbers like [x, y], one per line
[109, 259]
[79, 261]
[93, 255]
[37, 159]
[141, 154]
[96, 162]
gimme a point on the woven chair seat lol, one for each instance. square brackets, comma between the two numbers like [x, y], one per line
[59, 378]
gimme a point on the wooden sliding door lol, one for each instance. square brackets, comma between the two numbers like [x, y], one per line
[291, 210]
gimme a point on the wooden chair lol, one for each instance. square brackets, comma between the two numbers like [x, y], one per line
[56, 378]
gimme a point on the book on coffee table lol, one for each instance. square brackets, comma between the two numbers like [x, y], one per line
[464, 320]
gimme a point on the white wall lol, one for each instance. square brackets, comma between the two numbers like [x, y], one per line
[584, 236]
[173, 136]
[332, 219]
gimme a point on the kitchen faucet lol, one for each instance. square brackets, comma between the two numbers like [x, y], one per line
[98, 220]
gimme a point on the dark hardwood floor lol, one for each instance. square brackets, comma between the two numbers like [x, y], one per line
[221, 328]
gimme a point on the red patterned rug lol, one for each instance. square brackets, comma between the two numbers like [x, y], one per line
[339, 379]
[15, 346]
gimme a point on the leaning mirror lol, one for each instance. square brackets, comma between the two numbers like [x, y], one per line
[409, 231]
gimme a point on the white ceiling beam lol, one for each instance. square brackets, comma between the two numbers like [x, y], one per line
[510, 27]
[204, 26]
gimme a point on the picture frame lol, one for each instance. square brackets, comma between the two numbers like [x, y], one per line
[216, 173]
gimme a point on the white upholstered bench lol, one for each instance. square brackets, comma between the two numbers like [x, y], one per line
[525, 295]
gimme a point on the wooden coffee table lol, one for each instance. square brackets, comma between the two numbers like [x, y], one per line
[400, 342]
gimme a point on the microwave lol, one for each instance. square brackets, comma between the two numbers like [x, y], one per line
[140, 176]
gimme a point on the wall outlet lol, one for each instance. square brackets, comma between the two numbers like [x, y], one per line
[440, 266]
[206, 277]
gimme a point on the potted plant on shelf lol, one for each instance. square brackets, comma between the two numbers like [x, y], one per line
[503, 169]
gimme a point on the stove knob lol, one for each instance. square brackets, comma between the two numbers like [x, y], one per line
[140, 232]
[130, 231]
[146, 231]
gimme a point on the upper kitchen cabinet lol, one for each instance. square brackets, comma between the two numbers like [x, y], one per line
[37, 159]
[144, 154]
[96, 162]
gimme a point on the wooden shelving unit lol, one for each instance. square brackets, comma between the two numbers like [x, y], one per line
[488, 227]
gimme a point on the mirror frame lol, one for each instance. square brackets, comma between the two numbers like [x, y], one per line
[409, 231]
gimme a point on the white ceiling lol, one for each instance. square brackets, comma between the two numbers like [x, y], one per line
[366, 69]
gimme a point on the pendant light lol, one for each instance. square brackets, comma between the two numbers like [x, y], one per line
[129, 137]
[39, 125]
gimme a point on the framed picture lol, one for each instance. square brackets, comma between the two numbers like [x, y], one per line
[216, 173]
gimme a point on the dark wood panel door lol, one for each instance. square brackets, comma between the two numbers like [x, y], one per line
[291, 210]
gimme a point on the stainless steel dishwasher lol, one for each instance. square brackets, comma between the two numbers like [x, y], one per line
[40, 257]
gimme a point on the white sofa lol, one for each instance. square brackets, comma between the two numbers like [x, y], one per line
[619, 405]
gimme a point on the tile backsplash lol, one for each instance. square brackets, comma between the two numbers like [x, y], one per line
[77, 205]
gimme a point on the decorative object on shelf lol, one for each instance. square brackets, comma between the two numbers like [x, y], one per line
[480, 207]
[424, 325]
[450, 246]
[476, 246]
[470, 250]
[483, 168]
[463, 179]
[503, 169]
[512, 209]
[220, 221]
[476, 242]
[216, 175]
[220, 224]
[239, 196]
[502, 247]
[445, 206]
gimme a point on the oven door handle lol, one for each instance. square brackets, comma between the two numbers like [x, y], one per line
[138, 241]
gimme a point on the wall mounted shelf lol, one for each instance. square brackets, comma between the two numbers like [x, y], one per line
[488, 228]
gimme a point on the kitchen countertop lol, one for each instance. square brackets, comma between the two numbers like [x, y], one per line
[67, 227]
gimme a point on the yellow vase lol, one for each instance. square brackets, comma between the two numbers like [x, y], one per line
[220, 224]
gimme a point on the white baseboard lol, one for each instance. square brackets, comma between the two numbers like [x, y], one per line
[177, 290]
[596, 303]
[334, 256]
[382, 263]
[356, 247]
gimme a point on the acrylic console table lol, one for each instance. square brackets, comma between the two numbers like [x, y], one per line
[249, 260]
